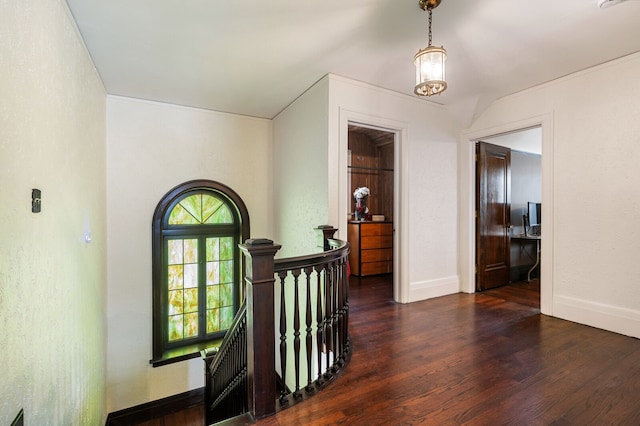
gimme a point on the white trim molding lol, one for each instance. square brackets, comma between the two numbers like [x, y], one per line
[434, 288]
[599, 315]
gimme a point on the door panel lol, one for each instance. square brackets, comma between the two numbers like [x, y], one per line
[493, 207]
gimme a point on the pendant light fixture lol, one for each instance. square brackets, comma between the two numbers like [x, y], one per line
[430, 61]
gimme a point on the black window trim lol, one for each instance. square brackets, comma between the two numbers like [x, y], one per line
[162, 354]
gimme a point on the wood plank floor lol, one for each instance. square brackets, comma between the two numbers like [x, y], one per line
[476, 359]
[524, 293]
[191, 416]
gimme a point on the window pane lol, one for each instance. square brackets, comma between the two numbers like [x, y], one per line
[190, 251]
[210, 205]
[226, 271]
[226, 295]
[213, 273]
[176, 302]
[191, 325]
[175, 328]
[190, 276]
[200, 208]
[175, 280]
[191, 300]
[222, 215]
[175, 252]
[226, 317]
[213, 296]
[213, 320]
[180, 216]
[213, 249]
[226, 248]
[193, 204]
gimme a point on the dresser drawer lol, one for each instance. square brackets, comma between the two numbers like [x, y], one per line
[376, 241]
[373, 229]
[376, 255]
[373, 268]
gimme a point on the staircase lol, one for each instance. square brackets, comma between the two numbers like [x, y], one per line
[290, 338]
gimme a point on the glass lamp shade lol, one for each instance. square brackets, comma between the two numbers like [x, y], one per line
[430, 71]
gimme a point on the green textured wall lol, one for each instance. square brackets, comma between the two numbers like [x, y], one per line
[52, 283]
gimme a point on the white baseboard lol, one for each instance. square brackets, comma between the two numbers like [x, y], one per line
[611, 318]
[434, 288]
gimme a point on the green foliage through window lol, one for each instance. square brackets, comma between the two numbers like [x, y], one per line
[199, 209]
[196, 229]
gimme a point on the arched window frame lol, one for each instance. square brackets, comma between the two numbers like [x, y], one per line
[165, 352]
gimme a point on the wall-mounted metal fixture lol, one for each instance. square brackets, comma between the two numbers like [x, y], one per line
[36, 200]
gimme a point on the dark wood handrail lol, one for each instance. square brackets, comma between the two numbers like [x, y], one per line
[333, 254]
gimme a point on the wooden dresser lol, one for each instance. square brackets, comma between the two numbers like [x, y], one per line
[371, 247]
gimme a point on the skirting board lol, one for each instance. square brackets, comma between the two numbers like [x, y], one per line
[433, 288]
[150, 410]
[598, 315]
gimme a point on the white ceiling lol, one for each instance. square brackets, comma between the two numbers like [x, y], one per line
[254, 58]
[527, 140]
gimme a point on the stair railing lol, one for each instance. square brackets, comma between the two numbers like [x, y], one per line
[313, 290]
[226, 373]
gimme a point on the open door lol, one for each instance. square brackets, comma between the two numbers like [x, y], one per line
[493, 211]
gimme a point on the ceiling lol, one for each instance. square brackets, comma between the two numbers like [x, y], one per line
[255, 58]
[376, 136]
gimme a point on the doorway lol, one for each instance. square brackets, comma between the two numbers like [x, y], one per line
[370, 193]
[401, 288]
[467, 201]
[370, 164]
[508, 183]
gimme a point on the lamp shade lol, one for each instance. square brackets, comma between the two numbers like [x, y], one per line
[430, 71]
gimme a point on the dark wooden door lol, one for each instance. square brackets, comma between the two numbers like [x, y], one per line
[493, 212]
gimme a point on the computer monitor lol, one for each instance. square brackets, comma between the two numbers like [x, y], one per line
[534, 214]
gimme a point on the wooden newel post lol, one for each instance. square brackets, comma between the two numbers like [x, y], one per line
[261, 363]
[326, 232]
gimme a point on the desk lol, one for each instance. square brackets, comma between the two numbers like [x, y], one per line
[537, 239]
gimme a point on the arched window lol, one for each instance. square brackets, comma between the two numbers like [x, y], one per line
[196, 228]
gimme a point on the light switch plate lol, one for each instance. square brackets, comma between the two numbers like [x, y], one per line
[36, 200]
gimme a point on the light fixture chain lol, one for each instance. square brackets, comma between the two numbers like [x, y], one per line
[430, 11]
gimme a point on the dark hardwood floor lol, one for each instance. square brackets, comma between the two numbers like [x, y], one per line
[483, 359]
[192, 416]
[523, 292]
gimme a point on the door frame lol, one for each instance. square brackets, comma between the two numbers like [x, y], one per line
[467, 199]
[401, 290]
